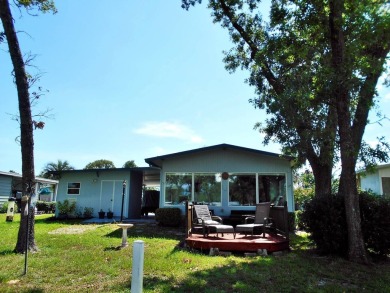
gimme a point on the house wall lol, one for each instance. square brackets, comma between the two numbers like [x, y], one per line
[370, 182]
[231, 161]
[373, 181]
[5, 188]
[98, 190]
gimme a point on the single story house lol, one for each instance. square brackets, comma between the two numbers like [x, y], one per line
[11, 186]
[225, 177]
[377, 182]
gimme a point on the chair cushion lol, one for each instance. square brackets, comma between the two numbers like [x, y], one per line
[211, 222]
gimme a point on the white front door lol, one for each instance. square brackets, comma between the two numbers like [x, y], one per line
[111, 197]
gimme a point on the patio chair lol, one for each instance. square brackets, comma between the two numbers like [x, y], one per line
[261, 220]
[203, 218]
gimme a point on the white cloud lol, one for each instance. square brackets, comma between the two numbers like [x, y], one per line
[168, 129]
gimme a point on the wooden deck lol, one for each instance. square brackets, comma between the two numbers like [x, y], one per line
[242, 243]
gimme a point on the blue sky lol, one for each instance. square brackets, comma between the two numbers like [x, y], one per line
[131, 80]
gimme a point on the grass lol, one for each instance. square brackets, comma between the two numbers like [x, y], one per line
[86, 258]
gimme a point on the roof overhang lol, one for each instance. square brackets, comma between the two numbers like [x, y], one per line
[158, 161]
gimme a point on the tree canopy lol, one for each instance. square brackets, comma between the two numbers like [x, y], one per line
[55, 167]
[100, 164]
[315, 66]
[129, 164]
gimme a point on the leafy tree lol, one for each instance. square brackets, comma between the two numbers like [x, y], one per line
[303, 188]
[55, 167]
[100, 164]
[315, 67]
[26, 121]
[129, 164]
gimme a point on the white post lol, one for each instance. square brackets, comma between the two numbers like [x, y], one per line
[138, 267]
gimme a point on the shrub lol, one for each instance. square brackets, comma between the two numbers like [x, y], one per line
[169, 217]
[66, 208]
[375, 212]
[4, 207]
[88, 212]
[324, 217]
[46, 206]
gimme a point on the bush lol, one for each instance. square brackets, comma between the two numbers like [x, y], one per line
[66, 208]
[375, 212]
[169, 217]
[88, 212]
[46, 206]
[324, 217]
[4, 208]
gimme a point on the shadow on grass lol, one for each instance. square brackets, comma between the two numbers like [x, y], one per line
[232, 277]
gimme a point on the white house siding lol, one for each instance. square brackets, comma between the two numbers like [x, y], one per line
[98, 190]
[231, 161]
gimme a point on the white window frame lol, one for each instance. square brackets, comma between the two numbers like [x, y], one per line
[73, 188]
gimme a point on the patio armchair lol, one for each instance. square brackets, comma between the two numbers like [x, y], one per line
[261, 220]
[203, 218]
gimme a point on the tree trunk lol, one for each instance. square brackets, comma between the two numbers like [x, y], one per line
[348, 151]
[323, 180]
[356, 249]
[26, 123]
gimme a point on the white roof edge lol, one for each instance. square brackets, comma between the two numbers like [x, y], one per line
[39, 179]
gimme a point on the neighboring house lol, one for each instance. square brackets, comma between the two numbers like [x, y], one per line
[11, 186]
[103, 189]
[377, 182]
[225, 177]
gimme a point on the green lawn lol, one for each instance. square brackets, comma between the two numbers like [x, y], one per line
[86, 258]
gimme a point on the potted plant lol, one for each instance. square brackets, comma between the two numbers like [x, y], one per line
[101, 214]
[110, 214]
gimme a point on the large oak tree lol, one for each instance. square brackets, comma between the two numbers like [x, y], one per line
[315, 66]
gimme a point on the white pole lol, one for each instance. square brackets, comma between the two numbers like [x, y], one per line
[138, 267]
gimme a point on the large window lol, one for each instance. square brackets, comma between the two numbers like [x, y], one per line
[272, 188]
[178, 188]
[207, 188]
[74, 188]
[242, 189]
[196, 187]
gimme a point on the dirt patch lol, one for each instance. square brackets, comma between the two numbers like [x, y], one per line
[75, 229]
